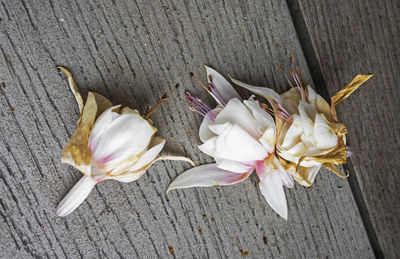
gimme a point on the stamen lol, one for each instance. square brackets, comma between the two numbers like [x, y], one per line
[283, 71]
[200, 107]
[207, 89]
[215, 91]
[163, 99]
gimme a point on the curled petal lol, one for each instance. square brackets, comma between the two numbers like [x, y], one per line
[265, 92]
[287, 179]
[272, 190]
[205, 176]
[224, 88]
[76, 196]
[73, 88]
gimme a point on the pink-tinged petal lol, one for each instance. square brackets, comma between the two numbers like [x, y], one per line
[224, 88]
[237, 145]
[236, 112]
[128, 135]
[205, 176]
[76, 196]
[103, 122]
[272, 189]
[235, 167]
[260, 169]
[265, 92]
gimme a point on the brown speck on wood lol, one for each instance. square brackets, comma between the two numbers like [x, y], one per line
[3, 84]
[204, 216]
[265, 239]
[171, 249]
[176, 85]
[12, 108]
[200, 231]
[245, 253]
[212, 219]
[191, 74]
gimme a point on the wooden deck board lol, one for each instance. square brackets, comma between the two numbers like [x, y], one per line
[364, 37]
[133, 52]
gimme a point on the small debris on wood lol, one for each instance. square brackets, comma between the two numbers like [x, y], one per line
[171, 249]
[265, 239]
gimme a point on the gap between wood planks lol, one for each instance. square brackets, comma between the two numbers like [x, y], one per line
[320, 86]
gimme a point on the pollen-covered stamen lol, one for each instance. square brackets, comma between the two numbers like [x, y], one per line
[215, 92]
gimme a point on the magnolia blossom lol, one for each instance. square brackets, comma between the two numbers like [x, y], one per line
[240, 135]
[109, 143]
[309, 134]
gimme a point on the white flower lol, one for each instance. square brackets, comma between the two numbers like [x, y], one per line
[108, 143]
[309, 134]
[241, 137]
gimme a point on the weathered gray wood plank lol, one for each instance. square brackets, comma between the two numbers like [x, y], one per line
[133, 52]
[364, 36]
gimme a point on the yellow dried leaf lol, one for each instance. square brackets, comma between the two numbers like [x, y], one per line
[334, 169]
[346, 91]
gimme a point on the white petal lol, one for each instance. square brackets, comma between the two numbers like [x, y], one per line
[298, 150]
[324, 134]
[307, 115]
[263, 118]
[287, 179]
[155, 147]
[204, 131]
[218, 129]
[128, 135]
[76, 196]
[209, 147]
[223, 86]
[290, 100]
[102, 123]
[127, 178]
[272, 190]
[237, 145]
[293, 134]
[234, 167]
[236, 112]
[206, 175]
[319, 103]
[265, 92]
[268, 139]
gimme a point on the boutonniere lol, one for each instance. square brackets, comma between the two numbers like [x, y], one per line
[110, 142]
[309, 133]
[241, 136]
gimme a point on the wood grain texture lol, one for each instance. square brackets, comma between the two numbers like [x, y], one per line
[133, 52]
[364, 37]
